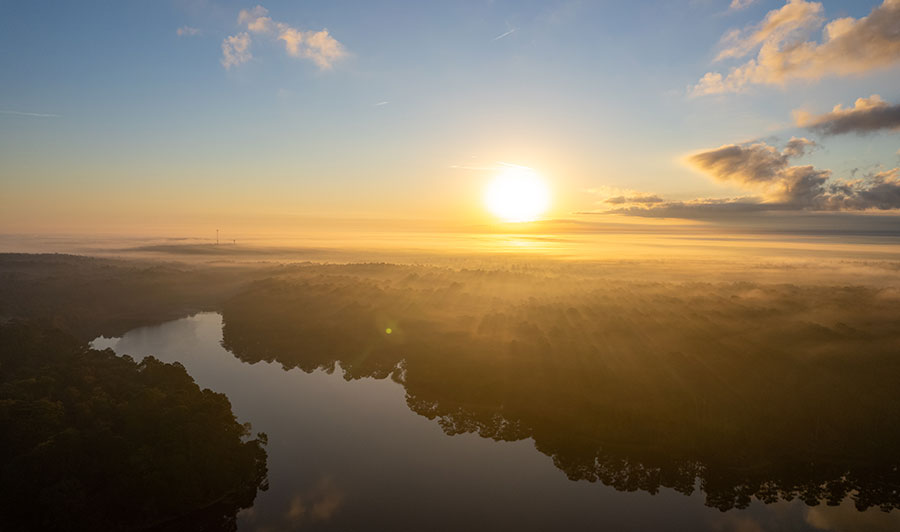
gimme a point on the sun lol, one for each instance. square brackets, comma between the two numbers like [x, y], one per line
[518, 194]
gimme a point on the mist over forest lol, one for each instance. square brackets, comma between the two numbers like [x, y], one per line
[741, 389]
[750, 388]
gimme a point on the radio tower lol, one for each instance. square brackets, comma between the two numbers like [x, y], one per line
[217, 237]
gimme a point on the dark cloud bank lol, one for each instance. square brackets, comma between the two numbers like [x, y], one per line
[774, 183]
[866, 116]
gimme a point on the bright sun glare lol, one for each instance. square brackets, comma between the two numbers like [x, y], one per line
[517, 195]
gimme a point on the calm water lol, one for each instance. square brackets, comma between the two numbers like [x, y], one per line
[350, 455]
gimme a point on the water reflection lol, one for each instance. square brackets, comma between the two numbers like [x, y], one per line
[770, 393]
[354, 446]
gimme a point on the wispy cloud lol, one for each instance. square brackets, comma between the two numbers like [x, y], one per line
[740, 4]
[866, 116]
[36, 115]
[637, 198]
[849, 46]
[187, 31]
[236, 50]
[318, 46]
[256, 19]
[505, 34]
[380, 104]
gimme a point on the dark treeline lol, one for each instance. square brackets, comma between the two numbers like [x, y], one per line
[94, 441]
[773, 391]
[89, 297]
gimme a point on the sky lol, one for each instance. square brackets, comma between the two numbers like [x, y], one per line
[173, 117]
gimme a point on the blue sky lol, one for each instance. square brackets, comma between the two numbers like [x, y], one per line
[594, 95]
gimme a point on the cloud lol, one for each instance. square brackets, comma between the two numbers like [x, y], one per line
[866, 116]
[762, 168]
[796, 17]
[849, 46]
[878, 191]
[740, 4]
[755, 165]
[637, 198]
[36, 115]
[614, 197]
[187, 31]
[236, 50]
[699, 208]
[256, 19]
[774, 184]
[318, 46]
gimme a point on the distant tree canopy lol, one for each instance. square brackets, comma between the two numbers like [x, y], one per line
[95, 441]
[768, 390]
[88, 296]
[754, 390]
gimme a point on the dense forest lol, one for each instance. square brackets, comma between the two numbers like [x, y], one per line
[639, 376]
[95, 441]
[751, 389]
[89, 297]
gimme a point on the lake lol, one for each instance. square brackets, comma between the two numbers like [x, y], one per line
[351, 455]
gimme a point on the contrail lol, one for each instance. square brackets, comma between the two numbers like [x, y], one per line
[40, 115]
[502, 35]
